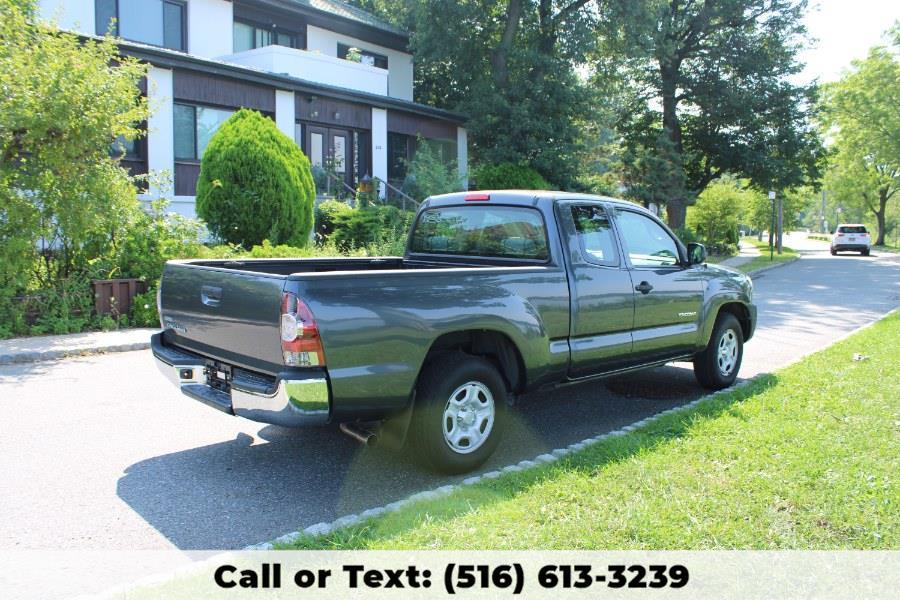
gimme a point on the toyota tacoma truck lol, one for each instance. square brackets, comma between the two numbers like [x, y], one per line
[498, 294]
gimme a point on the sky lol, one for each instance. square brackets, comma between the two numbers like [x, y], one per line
[845, 30]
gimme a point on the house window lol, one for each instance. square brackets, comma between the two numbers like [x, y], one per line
[368, 58]
[154, 22]
[126, 149]
[248, 36]
[398, 155]
[194, 126]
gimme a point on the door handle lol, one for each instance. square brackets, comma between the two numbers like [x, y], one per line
[644, 287]
[210, 296]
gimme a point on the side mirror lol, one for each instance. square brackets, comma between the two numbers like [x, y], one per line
[696, 253]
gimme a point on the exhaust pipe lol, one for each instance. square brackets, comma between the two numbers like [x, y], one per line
[364, 436]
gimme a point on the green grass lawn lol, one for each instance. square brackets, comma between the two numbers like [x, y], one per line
[806, 458]
[758, 262]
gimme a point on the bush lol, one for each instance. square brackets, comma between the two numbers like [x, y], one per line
[326, 212]
[509, 176]
[428, 176]
[152, 238]
[63, 198]
[143, 309]
[65, 307]
[255, 184]
[717, 213]
[371, 225]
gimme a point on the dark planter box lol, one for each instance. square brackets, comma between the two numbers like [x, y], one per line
[115, 296]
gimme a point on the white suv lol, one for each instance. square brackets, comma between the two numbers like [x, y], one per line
[849, 236]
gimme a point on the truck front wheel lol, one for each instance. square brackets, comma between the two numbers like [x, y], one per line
[717, 366]
[459, 412]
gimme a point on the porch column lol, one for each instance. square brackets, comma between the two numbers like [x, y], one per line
[462, 155]
[160, 126]
[284, 112]
[379, 146]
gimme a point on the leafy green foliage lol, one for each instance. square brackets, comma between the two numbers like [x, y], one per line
[151, 238]
[255, 184]
[509, 176]
[861, 110]
[511, 67]
[371, 225]
[143, 310]
[63, 198]
[716, 215]
[427, 175]
[326, 212]
[719, 73]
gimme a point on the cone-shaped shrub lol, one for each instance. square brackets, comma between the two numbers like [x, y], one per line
[255, 184]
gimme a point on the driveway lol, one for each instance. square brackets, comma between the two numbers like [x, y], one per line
[100, 453]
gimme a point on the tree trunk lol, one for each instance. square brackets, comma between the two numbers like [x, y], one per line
[499, 67]
[676, 207]
[879, 214]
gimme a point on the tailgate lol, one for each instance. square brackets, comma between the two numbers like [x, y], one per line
[226, 314]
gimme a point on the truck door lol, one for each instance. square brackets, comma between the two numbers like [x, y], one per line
[602, 299]
[668, 294]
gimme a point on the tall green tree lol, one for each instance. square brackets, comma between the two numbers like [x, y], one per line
[511, 67]
[714, 76]
[862, 112]
[64, 102]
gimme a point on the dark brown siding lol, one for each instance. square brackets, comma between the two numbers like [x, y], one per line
[191, 86]
[316, 109]
[186, 176]
[410, 124]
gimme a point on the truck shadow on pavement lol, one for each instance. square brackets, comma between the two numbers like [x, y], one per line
[249, 490]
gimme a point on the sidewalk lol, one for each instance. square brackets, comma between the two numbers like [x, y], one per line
[50, 347]
[747, 252]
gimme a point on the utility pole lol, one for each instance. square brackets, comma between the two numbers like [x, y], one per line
[772, 228]
[780, 222]
[822, 215]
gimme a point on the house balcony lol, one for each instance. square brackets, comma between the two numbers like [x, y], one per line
[315, 67]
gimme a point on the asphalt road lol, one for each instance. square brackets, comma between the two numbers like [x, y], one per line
[101, 453]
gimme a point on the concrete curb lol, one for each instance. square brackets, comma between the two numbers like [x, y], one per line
[44, 355]
[770, 267]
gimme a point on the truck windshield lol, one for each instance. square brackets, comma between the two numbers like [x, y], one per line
[484, 231]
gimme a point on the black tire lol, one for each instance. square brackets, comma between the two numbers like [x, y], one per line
[708, 368]
[865, 252]
[444, 376]
[833, 252]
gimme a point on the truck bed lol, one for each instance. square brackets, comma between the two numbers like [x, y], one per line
[291, 266]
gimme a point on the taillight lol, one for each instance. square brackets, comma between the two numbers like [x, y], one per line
[478, 197]
[301, 345]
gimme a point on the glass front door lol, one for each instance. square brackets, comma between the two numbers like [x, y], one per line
[341, 152]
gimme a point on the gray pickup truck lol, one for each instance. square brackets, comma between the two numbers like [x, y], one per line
[498, 294]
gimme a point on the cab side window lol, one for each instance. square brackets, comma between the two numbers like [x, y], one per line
[595, 234]
[647, 244]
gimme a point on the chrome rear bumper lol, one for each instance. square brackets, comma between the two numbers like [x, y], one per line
[295, 401]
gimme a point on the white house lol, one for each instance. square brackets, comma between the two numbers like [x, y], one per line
[288, 59]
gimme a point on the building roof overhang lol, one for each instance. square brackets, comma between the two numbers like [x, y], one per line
[162, 57]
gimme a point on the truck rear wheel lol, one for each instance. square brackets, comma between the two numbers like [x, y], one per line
[459, 412]
[717, 366]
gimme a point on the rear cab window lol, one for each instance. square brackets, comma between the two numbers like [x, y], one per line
[507, 232]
